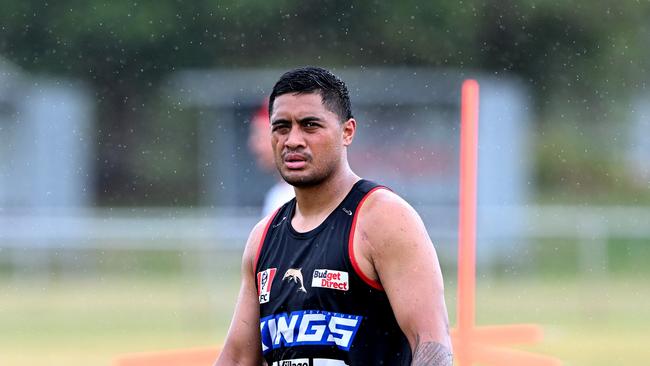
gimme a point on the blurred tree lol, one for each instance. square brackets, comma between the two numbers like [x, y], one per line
[125, 48]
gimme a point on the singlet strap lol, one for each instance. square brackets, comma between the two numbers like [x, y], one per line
[372, 283]
[261, 242]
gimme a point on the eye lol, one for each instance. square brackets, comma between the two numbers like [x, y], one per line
[280, 127]
[310, 125]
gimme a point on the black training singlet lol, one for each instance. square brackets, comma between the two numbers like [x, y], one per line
[316, 306]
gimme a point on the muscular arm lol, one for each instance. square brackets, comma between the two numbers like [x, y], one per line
[394, 248]
[243, 344]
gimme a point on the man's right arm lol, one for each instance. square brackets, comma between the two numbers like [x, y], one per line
[243, 345]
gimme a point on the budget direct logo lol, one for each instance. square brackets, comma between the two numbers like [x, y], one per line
[327, 278]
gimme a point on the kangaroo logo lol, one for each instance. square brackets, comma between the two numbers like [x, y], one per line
[296, 276]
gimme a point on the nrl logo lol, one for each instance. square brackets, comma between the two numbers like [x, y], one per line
[296, 276]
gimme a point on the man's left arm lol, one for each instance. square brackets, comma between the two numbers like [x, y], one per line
[406, 265]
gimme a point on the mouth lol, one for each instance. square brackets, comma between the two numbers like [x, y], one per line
[295, 161]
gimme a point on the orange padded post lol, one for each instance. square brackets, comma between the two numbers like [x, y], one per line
[484, 345]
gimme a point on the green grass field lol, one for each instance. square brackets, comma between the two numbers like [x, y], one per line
[88, 320]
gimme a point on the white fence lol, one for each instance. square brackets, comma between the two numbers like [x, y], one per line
[227, 229]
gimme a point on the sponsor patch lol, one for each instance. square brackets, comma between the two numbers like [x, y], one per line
[327, 278]
[308, 327]
[264, 281]
[294, 362]
[295, 275]
[305, 362]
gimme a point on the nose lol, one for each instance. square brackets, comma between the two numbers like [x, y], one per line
[295, 139]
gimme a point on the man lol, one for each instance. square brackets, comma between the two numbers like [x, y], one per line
[345, 273]
[260, 145]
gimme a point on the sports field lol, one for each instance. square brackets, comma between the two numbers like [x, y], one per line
[87, 320]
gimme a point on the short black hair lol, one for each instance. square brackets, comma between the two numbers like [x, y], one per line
[315, 79]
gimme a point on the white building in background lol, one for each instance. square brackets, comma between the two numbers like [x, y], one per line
[46, 142]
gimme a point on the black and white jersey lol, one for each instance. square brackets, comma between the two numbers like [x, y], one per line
[316, 306]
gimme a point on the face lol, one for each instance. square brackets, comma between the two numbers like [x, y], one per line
[308, 139]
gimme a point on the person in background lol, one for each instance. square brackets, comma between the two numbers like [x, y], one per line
[259, 143]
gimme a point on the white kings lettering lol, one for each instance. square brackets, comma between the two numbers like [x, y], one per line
[327, 278]
[308, 327]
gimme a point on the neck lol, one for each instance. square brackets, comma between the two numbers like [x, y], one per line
[323, 198]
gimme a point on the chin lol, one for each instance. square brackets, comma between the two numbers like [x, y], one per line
[300, 180]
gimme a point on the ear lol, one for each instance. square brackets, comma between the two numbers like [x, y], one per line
[349, 128]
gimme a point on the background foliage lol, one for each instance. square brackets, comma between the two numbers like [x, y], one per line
[582, 59]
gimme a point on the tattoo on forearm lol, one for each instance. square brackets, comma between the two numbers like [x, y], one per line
[431, 354]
